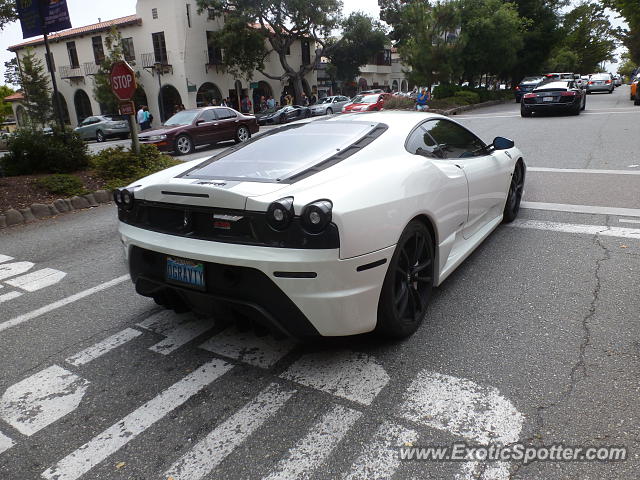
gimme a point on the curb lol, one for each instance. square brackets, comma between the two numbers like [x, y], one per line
[464, 108]
[39, 211]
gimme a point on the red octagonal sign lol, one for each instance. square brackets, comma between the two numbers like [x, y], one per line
[123, 81]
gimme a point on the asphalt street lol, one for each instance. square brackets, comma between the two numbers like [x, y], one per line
[535, 339]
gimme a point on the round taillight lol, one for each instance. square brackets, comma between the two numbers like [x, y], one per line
[316, 216]
[280, 213]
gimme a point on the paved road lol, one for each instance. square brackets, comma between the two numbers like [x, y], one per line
[534, 339]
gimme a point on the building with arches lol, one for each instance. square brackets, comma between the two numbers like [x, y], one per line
[170, 47]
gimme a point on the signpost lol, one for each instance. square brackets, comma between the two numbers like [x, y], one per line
[123, 84]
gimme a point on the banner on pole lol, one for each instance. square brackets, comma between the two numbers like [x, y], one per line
[36, 16]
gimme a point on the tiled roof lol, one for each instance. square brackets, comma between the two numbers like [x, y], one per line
[15, 97]
[74, 32]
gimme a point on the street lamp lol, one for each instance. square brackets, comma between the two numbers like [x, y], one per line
[158, 69]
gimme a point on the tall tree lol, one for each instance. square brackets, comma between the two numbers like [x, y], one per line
[255, 30]
[12, 72]
[630, 11]
[8, 12]
[35, 86]
[102, 86]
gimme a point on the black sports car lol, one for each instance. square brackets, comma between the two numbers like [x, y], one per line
[284, 115]
[561, 96]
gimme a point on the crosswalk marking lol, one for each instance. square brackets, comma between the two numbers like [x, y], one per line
[354, 376]
[12, 269]
[91, 353]
[41, 399]
[5, 443]
[220, 442]
[5, 258]
[179, 329]
[37, 280]
[261, 352]
[9, 296]
[122, 432]
[381, 458]
[310, 452]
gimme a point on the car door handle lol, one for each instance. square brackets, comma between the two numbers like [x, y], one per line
[216, 124]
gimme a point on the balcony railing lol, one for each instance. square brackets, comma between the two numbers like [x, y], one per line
[150, 61]
[90, 68]
[213, 59]
[69, 71]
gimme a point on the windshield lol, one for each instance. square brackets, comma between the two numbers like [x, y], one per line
[324, 100]
[531, 79]
[185, 117]
[279, 156]
[115, 118]
[366, 99]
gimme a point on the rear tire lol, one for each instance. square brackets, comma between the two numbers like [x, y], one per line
[242, 134]
[524, 112]
[184, 145]
[407, 286]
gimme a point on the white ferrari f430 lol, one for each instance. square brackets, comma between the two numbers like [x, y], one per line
[331, 227]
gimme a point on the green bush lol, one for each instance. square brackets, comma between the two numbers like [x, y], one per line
[467, 97]
[56, 151]
[119, 167]
[397, 102]
[62, 184]
[445, 90]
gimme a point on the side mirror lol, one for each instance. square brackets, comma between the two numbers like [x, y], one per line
[200, 122]
[501, 143]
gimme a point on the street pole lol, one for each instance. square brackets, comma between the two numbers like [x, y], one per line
[56, 95]
[133, 128]
[158, 67]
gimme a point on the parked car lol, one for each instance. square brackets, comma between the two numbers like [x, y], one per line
[361, 103]
[560, 76]
[600, 82]
[634, 95]
[561, 95]
[373, 90]
[103, 127]
[329, 105]
[526, 85]
[187, 129]
[338, 226]
[285, 114]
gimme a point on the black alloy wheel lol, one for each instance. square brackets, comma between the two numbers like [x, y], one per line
[408, 283]
[100, 136]
[512, 206]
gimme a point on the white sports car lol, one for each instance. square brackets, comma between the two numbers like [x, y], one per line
[337, 226]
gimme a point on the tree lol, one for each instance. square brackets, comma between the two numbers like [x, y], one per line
[630, 10]
[5, 107]
[627, 65]
[35, 87]
[8, 12]
[257, 29]
[102, 85]
[363, 37]
[563, 59]
[12, 72]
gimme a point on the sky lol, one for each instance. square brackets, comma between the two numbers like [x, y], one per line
[85, 12]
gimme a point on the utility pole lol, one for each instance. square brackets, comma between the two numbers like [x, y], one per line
[56, 94]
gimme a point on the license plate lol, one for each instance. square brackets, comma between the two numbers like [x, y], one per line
[185, 272]
[547, 99]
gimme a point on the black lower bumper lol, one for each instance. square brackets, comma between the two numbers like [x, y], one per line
[229, 290]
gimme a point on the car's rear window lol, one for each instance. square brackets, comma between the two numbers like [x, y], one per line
[279, 156]
[601, 76]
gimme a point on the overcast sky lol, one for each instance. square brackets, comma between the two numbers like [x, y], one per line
[85, 12]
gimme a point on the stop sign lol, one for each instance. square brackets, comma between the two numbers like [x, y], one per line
[123, 81]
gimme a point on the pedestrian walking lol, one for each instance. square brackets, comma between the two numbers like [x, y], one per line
[140, 117]
[246, 105]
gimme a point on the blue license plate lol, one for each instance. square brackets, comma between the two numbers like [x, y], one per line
[185, 272]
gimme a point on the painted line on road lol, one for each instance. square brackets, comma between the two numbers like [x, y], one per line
[588, 209]
[179, 329]
[583, 170]
[312, 450]
[122, 432]
[618, 232]
[5, 258]
[99, 349]
[628, 220]
[488, 115]
[61, 303]
[5, 443]
[9, 296]
[12, 269]
[209, 452]
[380, 458]
[34, 281]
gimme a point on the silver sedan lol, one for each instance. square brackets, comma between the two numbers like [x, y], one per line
[329, 105]
[103, 127]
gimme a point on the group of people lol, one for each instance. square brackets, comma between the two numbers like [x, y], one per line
[144, 118]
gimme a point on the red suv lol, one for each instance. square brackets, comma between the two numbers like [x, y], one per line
[201, 126]
[363, 103]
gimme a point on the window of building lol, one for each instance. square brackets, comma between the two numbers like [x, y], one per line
[51, 64]
[211, 14]
[127, 49]
[306, 52]
[73, 55]
[159, 47]
[154, 13]
[214, 52]
[98, 49]
[189, 15]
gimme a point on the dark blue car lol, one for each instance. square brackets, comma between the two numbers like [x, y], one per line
[527, 85]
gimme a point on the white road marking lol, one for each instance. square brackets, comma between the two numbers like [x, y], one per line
[12, 269]
[588, 112]
[311, 451]
[37, 280]
[464, 408]
[105, 346]
[118, 435]
[20, 319]
[354, 376]
[41, 399]
[5, 443]
[209, 452]
[9, 296]
[588, 209]
[480, 471]
[593, 171]
[5, 258]
[381, 458]
[262, 352]
[633, 166]
[179, 329]
[628, 220]
[619, 232]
